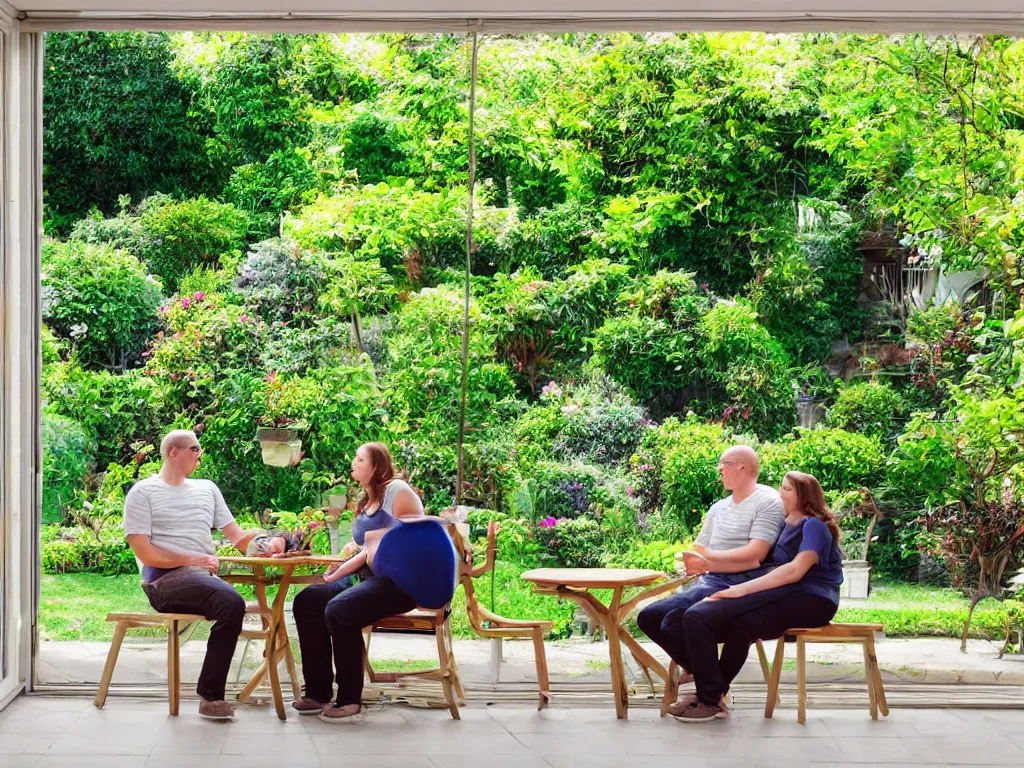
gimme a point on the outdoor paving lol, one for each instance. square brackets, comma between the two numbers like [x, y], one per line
[41, 731]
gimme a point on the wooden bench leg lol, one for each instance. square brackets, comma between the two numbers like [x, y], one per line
[776, 676]
[883, 705]
[173, 672]
[762, 659]
[108, 668]
[540, 657]
[801, 680]
[869, 678]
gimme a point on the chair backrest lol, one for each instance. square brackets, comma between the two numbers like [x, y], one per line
[467, 572]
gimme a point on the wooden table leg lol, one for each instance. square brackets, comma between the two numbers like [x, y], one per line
[611, 625]
[274, 632]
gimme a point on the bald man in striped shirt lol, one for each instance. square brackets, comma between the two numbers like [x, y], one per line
[737, 534]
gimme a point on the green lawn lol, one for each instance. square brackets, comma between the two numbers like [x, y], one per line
[74, 607]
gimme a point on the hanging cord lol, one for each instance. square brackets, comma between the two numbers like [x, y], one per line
[469, 257]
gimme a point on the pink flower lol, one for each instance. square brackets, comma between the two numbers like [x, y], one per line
[177, 335]
[550, 332]
[199, 295]
[186, 302]
[548, 522]
[164, 309]
[243, 319]
[174, 377]
[271, 377]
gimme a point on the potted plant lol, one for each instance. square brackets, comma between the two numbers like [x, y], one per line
[856, 566]
[281, 444]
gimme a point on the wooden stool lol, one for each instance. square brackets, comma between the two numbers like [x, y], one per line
[175, 623]
[672, 686]
[125, 621]
[423, 621]
[833, 633]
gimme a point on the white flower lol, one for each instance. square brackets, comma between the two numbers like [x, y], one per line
[79, 330]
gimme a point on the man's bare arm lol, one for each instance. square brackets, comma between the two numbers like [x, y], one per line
[233, 533]
[160, 557]
[744, 558]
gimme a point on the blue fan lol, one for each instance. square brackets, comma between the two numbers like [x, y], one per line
[420, 558]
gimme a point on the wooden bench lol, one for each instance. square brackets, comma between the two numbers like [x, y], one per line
[833, 633]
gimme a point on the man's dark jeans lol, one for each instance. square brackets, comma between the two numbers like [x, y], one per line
[330, 619]
[195, 590]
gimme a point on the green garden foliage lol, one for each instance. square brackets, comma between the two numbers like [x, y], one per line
[669, 238]
[67, 460]
[101, 301]
[173, 237]
[873, 408]
[116, 122]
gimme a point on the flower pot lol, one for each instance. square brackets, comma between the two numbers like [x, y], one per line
[856, 580]
[280, 447]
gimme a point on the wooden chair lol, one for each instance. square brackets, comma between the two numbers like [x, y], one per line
[672, 686]
[499, 626]
[833, 633]
[176, 624]
[423, 621]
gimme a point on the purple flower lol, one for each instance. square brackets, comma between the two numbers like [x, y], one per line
[548, 522]
[199, 295]
[243, 319]
[186, 302]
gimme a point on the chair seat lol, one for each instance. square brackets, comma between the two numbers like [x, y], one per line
[153, 619]
[837, 630]
[418, 619]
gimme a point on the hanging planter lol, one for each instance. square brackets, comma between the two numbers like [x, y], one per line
[281, 446]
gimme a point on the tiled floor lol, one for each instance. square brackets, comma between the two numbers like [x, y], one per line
[38, 732]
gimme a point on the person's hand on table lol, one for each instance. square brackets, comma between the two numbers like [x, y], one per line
[207, 562]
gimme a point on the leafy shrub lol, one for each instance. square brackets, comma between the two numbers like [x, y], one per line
[283, 182]
[657, 555]
[67, 459]
[128, 133]
[101, 300]
[840, 460]
[578, 543]
[77, 557]
[564, 491]
[683, 456]
[874, 409]
[113, 409]
[603, 428]
[751, 366]
[176, 237]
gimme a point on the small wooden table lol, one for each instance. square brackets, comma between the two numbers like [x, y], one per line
[576, 583]
[277, 644]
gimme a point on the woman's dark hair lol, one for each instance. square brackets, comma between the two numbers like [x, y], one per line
[812, 501]
[383, 473]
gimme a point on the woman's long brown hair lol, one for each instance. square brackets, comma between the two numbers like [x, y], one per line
[812, 501]
[383, 473]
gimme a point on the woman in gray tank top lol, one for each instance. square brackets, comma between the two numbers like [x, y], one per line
[385, 497]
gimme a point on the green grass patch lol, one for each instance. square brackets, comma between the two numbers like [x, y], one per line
[73, 607]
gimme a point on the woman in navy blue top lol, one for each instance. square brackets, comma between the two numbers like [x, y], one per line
[800, 588]
[328, 616]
